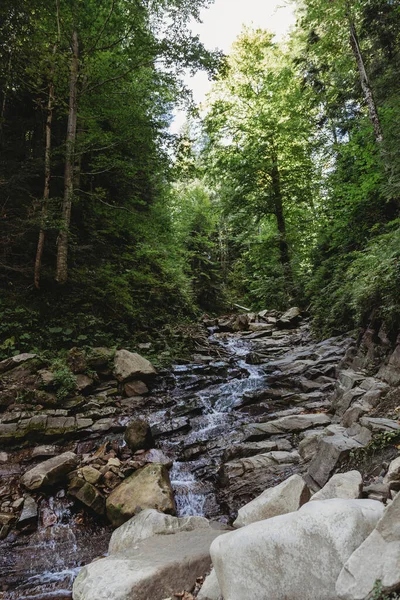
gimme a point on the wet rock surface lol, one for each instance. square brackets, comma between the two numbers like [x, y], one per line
[262, 401]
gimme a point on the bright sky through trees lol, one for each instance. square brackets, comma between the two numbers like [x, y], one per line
[221, 25]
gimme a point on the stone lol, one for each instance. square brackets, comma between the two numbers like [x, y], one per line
[210, 589]
[157, 568]
[76, 360]
[342, 485]
[286, 497]
[135, 388]
[252, 448]
[3, 457]
[309, 444]
[42, 451]
[149, 523]
[128, 365]
[331, 450]
[91, 475]
[154, 455]
[393, 473]
[391, 372]
[379, 424]
[256, 463]
[29, 516]
[87, 494]
[296, 555]
[99, 358]
[377, 558]
[15, 361]
[50, 471]
[292, 423]
[138, 435]
[149, 487]
[47, 377]
[289, 319]
[83, 383]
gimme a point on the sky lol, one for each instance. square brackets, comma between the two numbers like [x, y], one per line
[222, 23]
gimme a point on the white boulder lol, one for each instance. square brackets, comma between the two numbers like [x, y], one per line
[293, 556]
[342, 485]
[286, 497]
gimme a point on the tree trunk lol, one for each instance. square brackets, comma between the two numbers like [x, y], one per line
[280, 219]
[47, 174]
[63, 237]
[365, 83]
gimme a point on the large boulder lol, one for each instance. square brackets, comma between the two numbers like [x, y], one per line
[138, 435]
[342, 485]
[210, 589]
[149, 487]
[149, 523]
[291, 318]
[377, 558]
[128, 365]
[50, 471]
[292, 556]
[284, 498]
[155, 568]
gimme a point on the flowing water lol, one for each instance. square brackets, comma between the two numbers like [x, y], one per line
[44, 565]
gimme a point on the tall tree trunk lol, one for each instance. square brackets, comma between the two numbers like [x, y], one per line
[47, 174]
[365, 82]
[63, 237]
[4, 101]
[280, 219]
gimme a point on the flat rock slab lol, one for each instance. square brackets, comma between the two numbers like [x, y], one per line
[293, 423]
[155, 568]
[50, 471]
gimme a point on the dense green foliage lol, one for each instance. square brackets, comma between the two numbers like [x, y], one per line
[286, 192]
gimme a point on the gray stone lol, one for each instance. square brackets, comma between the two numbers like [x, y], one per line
[342, 485]
[379, 424]
[256, 463]
[289, 319]
[138, 435]
[15, 361]
[156, 568]
[148, 487]
[331, 450]
[393, 473]
[377, 558]
[50, 471]
[286, 497]
[309, 444]
[128, 365]
[294, 556]
[149, 523]
[391, 372]
[135, 388]
[286, 424]
[29, 515]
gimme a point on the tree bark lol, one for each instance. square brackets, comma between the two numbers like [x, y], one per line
[63, 237]
[47, 174]
[280, 219]
[365, 83]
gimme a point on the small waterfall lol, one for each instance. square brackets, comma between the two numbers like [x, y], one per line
[189, 497]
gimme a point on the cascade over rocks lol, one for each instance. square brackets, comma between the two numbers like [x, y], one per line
[258, 418]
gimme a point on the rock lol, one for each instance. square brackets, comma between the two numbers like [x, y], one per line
[391, 372]
[377, 558]
[149, 523]
[149, 487]
[342, 485]
[15, 361]
[83, 383]
[265, 327]
[157, 568]
[252, 448]
[331, 450]
[3, 457]
[128, 365]
[29, 515]
[76, 360]
[135, 388]
[87, 494]
[393, 473]
[378, 424]
[47, 377]
[309, 444]
[285, 424]
[210, 589]
[99, 357]
[138, 435]
[50, 471]
[91, 475]
[293, 556]
[153, 456]
[289, 319]
[170, 426]
[284, 498]
[42, 451]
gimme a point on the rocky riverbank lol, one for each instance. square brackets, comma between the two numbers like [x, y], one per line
[91, 443]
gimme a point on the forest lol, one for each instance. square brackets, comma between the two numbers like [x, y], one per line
[283, 191]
